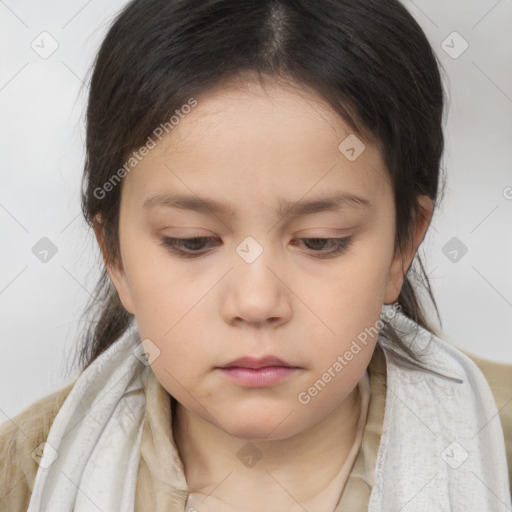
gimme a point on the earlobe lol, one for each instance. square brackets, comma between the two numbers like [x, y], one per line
[404, 256]
[115, 269]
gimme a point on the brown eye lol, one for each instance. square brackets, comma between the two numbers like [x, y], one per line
[317, 245]
[192, 246]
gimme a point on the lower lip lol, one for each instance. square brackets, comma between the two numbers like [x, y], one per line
[257, 377]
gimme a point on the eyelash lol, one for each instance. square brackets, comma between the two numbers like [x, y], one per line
[342, 245]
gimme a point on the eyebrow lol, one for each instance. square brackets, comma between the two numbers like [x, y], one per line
[333, 202]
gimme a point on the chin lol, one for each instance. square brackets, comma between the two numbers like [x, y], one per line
[259, 432]
[255, 426]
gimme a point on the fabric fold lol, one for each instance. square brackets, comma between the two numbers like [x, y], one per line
[442, 436]
[92, 451]
[161, 483]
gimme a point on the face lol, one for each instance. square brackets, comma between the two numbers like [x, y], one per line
[258, 279]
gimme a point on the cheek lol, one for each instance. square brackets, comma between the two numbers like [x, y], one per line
[170, 312]
[351, 299]
[176, 325]
[186, 354]
[162, 292]
[349, 305]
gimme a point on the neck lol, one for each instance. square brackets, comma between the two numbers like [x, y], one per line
[210, 454]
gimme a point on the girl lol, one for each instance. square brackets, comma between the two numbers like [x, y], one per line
[259, 177]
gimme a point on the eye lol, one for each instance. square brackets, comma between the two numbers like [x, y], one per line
[191, 244]
[338, 246]
[194, 247]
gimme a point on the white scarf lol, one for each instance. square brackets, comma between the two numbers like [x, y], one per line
[442, 446]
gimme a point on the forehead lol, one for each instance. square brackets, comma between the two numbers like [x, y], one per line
[256, 140]
[250, 113]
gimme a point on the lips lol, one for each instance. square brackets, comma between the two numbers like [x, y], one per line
[257, 362]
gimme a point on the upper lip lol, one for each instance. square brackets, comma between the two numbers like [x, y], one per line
[257, 362]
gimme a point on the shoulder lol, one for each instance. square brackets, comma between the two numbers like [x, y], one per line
[499, 377]
[19, 437]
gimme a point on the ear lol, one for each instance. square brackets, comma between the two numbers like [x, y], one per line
[402, 260]
[115, 269]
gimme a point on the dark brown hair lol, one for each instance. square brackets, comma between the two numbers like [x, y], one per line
[369, 60]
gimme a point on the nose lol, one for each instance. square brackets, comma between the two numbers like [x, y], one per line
[257, 292]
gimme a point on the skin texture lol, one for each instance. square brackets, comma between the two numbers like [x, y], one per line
[249, 146]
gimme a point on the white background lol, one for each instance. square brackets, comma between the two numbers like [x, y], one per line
[42, 156]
